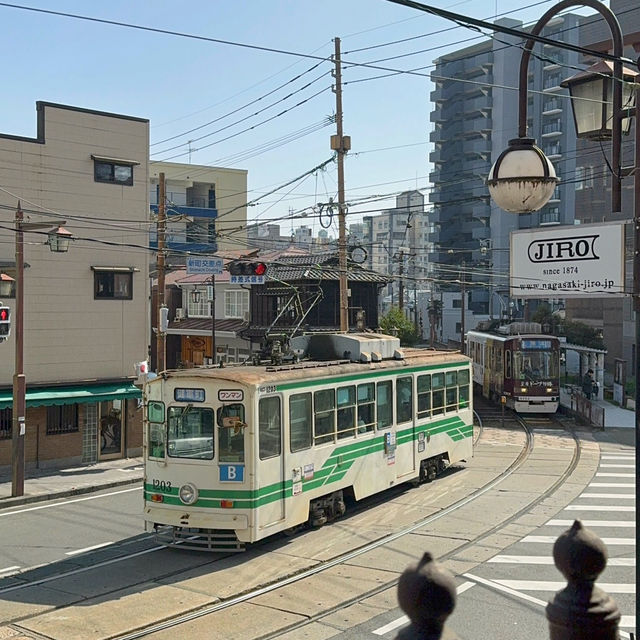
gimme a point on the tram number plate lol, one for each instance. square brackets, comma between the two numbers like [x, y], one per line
[268, 388]
[161, 485]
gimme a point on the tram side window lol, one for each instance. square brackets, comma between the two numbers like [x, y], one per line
[300, 421]
[404, 399]
[507, 362]
[231, 426]
[190, 432]
[463, 388]
[437, 393]
[270, 427]
[366, 407]
[384, 405]
[346, 411]
[324, 415]
[424, 396]
[156, 433]
[451, 393]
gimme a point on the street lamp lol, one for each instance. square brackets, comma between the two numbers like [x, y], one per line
[511, 182]
[58, 241]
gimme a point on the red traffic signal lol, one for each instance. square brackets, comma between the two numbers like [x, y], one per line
[5, 314]
[239, 268]
[5, 322]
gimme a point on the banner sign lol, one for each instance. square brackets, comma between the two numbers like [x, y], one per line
[568, 262]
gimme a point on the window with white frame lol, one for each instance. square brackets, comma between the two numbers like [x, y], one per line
[579, 179]
[236, 303]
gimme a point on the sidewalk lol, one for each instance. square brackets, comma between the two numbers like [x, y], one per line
[49, 484]
[615, 417]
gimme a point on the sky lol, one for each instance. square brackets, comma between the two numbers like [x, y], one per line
[268, 104]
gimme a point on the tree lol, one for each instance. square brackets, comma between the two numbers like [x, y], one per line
[396, 323]
[575, 332]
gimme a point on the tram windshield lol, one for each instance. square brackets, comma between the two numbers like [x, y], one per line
[535, 365]
[190, 432]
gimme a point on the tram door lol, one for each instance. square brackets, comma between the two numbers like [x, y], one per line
[405, 427]
[270, 461]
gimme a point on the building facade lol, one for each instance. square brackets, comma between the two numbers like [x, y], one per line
[85, 311]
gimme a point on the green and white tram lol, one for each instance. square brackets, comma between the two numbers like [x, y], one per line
[236, 454]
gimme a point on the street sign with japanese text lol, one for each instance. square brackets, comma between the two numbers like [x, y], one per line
[246, 279]
[212, 266]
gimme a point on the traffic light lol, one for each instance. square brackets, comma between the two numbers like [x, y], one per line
[239, 268]
[5, 323]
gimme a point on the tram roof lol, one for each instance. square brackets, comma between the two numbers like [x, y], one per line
[313, 369]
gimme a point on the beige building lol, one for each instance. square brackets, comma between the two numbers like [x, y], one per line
[86, 311]
[206, 208]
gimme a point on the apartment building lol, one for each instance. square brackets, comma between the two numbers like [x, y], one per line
[85, 311]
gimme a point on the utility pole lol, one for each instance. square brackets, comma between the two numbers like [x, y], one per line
[213, 320]
[161, 225]
[462, 305]
[341, 144]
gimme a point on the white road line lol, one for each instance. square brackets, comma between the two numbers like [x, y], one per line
[623, 496]
[9, 569]
[617, 466]
[95, 546]
[593, 523]
[615, 475]
[552, 539]
[551, 585]
[597, 507]
[4, 513]
[524, 596]
[615, 485]
[504, 559]
[616, 456]
[394, 624]
[628, 622]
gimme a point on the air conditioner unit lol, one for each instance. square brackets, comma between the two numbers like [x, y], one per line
[179, 313]
[247, 316]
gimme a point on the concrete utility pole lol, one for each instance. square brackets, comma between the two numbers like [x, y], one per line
[341, 144]
[462, 305]
[161, 226]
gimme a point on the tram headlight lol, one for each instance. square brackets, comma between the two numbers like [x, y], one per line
[523, 389]
[188, 493]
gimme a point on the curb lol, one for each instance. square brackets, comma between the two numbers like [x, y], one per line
[6, 503]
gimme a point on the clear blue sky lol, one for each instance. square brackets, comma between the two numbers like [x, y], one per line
[180, 84]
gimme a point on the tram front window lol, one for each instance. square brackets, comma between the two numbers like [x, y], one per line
[231, 426]
[190, 432]
[534, 365]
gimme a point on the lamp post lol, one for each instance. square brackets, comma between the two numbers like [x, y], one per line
[522, 179]
[58, 241]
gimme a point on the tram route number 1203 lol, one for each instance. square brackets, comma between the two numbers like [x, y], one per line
[162, 485]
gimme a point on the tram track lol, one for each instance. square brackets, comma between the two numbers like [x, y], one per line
[517, 463]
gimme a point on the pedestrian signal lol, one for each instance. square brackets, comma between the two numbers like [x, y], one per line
[5, 322]
[239, 268]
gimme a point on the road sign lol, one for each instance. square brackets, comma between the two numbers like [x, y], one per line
[212, 266]
[246, 279]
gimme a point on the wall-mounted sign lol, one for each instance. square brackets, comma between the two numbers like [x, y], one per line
[230, 395]
[568, 262]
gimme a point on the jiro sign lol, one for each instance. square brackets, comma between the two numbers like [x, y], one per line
[568, 262]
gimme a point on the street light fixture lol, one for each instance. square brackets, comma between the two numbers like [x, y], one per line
[602, 84]
[58, 241]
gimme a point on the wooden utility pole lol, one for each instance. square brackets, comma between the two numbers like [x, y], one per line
[161, 226]
[341, 144]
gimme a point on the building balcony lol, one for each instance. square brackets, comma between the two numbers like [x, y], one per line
[189, 211]
[199, 247]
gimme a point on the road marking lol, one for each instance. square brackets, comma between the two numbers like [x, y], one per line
[617, 466]
[593, 523]
[523, 596]
[617, 485]
[614, 456]
[62, 504]
[504, 559]
[624, 496]
[8, 569]
[95, 546]
[615, 475]
[543, 585]
[597, 507]
[552, 539]
[627, 621]
[394, 624]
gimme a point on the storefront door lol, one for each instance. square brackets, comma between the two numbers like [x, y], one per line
[110, 430]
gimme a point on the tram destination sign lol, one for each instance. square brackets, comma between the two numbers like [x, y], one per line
[568, 262]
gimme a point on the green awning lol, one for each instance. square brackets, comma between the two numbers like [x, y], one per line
[77, 394]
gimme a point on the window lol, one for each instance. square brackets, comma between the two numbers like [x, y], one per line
[112, 284]
[190, 432]
[384, 405]
[236, 303]
[404, 399]
[463, 388]
[270, 427]
[346, 411]
[231, 426]
[300, 421]
[113, 172]
[62, 419]
[424, 396]
[324, 415]
[579, 178]
[451, 394]
[437, 392]
[6, 421]
[366, 407]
